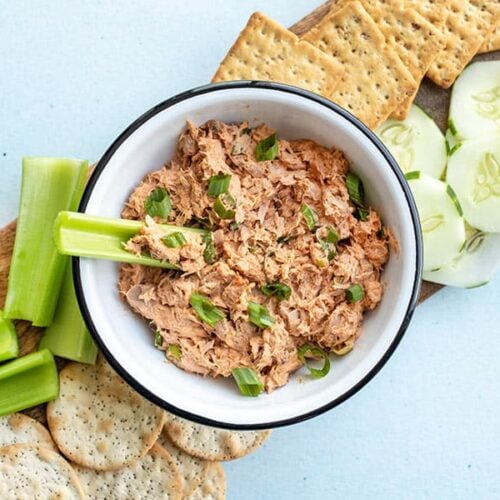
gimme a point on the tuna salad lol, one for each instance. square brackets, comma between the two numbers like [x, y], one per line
[289, 260]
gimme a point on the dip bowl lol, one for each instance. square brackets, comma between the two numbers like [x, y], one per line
[127, 341]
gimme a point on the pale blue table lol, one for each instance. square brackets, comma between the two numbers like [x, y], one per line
[74, 74]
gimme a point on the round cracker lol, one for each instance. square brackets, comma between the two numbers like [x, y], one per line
[153, 477]
[191, 469]
[100, 422]
[28, 471]
[210, 443]
[21, 429]
[212, 486]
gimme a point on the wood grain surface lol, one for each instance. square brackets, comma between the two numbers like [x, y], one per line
[431, 98]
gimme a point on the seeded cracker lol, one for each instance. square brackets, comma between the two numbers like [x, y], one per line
[212, 486]
[492, 42]
[21, 429]
[267, 51]
[375, 81]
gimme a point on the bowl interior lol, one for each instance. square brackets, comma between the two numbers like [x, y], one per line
[128, 341]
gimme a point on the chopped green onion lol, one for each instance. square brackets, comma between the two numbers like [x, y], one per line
[279, 290]
[234, 226]
[310, 216]
[248, 382]
[49, 185]
[218, 184]
[225, 206]
[158, 339]
[259, 315]
[158, 203]
[175, 351]
[284, 239]
[355, 189]
[267, 149]
[206, 310]
[9, 345]
[246, 131]
[67, 336]
[174, 240]
[362, 213]
[329, 249]
[354, 293]
[28, 381]
[103, 238]
[307, 351]
[209, 254]
[344, 348]
[331, 235]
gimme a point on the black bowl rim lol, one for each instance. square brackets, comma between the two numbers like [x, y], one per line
[336, 109]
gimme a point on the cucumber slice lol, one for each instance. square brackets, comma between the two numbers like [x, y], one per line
[443, 227]
[416, 143]
[475, 101]
[474, 266]
[474, 174]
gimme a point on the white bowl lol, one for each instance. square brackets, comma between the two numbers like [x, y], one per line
[126, 340]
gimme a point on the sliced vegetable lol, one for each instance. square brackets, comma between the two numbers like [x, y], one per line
[225, 206]
[416, 143]
[355, 189]
[474, 174]
[158, 203]
[474, 266]
[206, 310]
[103, 238]
[475, 101]
[174, 240]
[309, 351]
[259, 315]
[443, 227]
[28, 381]
[218, 184]
[209, 254]
[158, 339]
[279, 290]
[310, 216]
[174, 351]
[267, 149]
[248, 382]
[49, 185]
[9, 345]
[331, 235]
[67, 336]
[344, 348]
[355, 293]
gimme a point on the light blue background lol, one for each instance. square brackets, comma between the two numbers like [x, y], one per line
[75, 74]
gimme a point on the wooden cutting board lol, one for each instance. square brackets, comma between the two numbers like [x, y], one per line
[433, 99]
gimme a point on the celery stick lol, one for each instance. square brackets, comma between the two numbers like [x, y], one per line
[49, 185]
[103, 238]
[9, 346]
[28, 381]
[67, 336]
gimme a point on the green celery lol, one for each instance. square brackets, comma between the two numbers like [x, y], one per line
[28, 381]
[85, 235]
[49, 185]
[9, 346]
[68, 336]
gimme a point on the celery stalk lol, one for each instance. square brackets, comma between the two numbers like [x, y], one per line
[28, 381]
[103, 238]
[9, 346]
[67, 336]
[49, 185]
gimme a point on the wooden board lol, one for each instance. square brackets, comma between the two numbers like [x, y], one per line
[431, 98]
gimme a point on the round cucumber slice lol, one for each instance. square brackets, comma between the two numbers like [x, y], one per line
[475, 101]
[474, 266]
[474, 174]
[443, 227]
[416, 143]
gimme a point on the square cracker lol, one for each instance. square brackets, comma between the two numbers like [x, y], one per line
[466, 28]
[492, 42]
[375, 81]
[267, 51]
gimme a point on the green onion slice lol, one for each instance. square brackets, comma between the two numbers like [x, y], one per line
[331, 235]
[355, 293]
[279, 290]
[310, 351]
[355, 189]
[209, 254]
[175, 351]
[218, 184]
[174, 240]
[205, 309]
[284, 239]
[363, 213]
[158, 339]
[158, 203]
[267, 149]
[259, 315]
[246, 131]
[225, 206]
[248, 381]
[310, 216]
